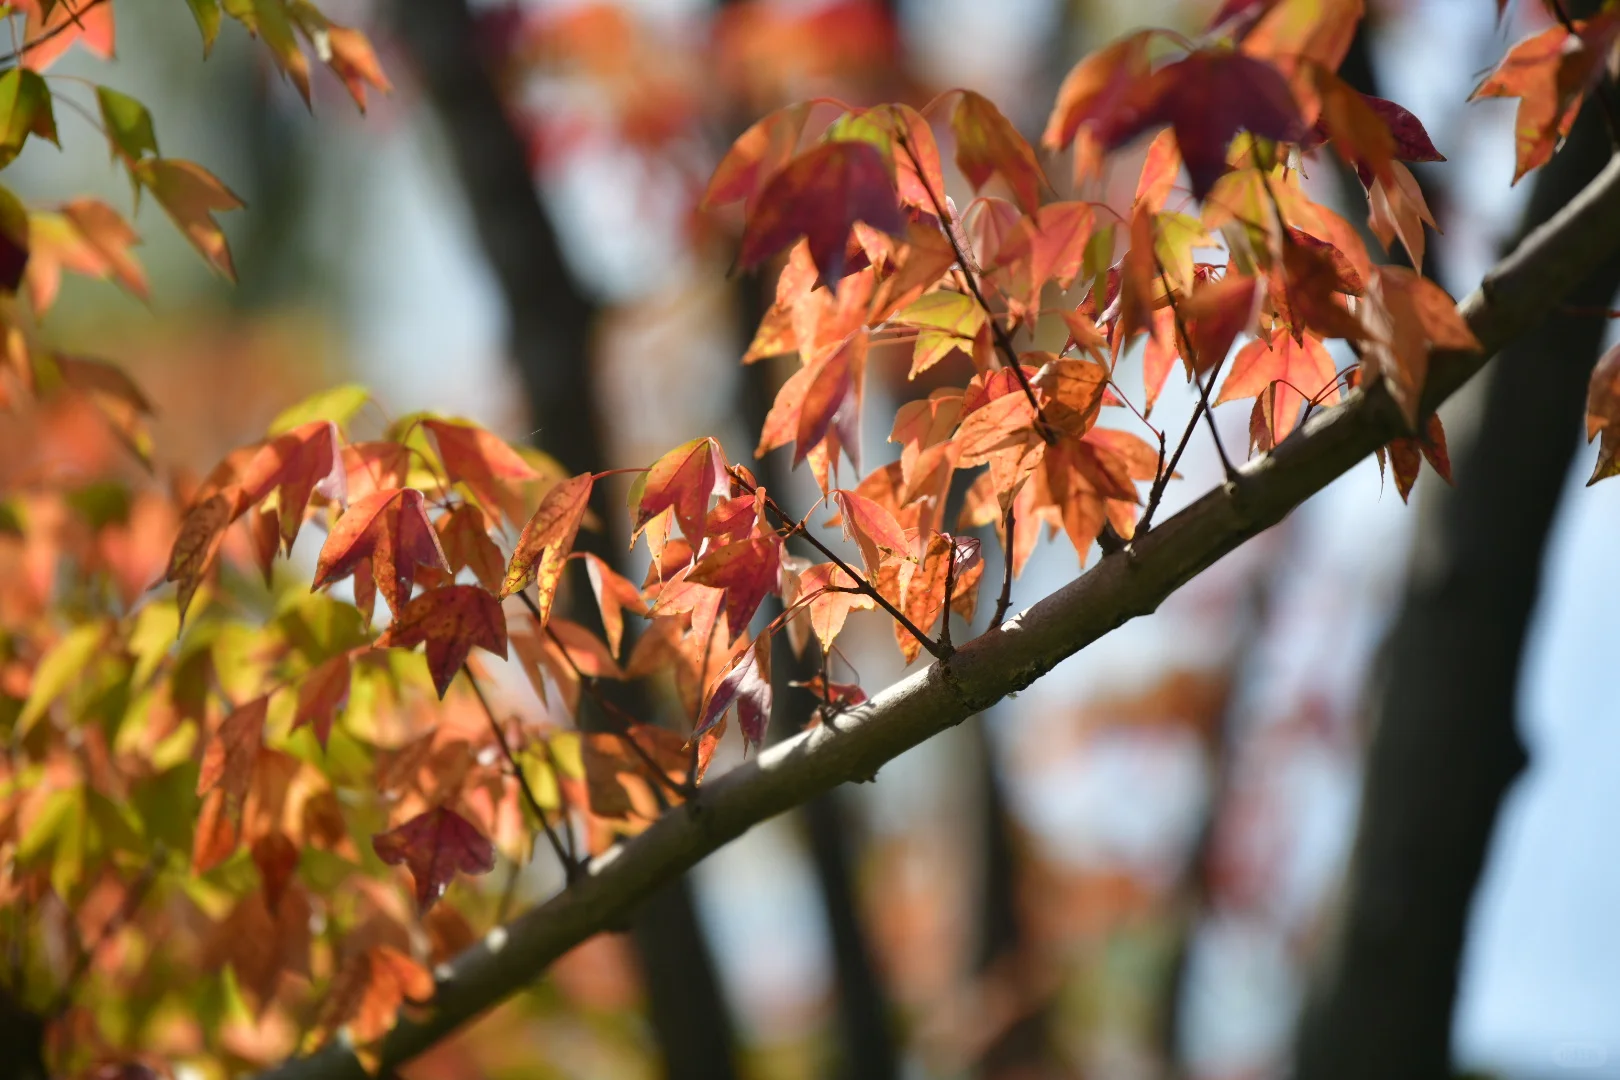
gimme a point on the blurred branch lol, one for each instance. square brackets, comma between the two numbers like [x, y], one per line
[1445, 746]
[1514, 299]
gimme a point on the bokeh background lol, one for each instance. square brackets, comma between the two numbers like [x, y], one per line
[1130, 869]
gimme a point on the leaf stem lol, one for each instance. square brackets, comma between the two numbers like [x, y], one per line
[1192, 359]
[795, 527]
[570, 866]
[1003, 340]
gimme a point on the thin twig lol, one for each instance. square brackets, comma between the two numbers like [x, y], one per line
[1192, 359]
[570, 866]
[1156, 495]
[1005, 600]
[1003, 340]
[796, 527]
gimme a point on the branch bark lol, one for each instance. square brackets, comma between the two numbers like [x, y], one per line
[1513, 299]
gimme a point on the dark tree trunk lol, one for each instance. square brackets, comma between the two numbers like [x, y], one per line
[867, 1049]
[552, 319]
[1444, 745]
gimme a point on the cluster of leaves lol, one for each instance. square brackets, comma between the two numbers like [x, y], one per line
[258, 772]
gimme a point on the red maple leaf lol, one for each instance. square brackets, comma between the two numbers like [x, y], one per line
[435, 846]
[820, 195]
[450, 620]
[1208, 97]
[391, 532]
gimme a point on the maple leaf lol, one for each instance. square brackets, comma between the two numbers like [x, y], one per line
[53, 27]
[1406, 455]
[1215, 314]
[191, 195]
[464, 535]
[277, 859]
[684, 479]
[820, 195]
[1550, 73]
[873, 529]
[1406, 314]
[228, 761]
[435, 846]
[305, 461]
[389, 530]
[746, 683]
[827, 595]
[321, 693]
[87, 237]
[201, 533]
[755, 156]
[1303, 370]
[1090, 93]
[1047, 245]
[1396, 207]
[481, 460]
[1603, 414]
[747, 571]
[261, 940]
[946, 321]
[1207, 97]
[922, 595]
[368, 990]
[450, 620]
[614, 593]
[1296, 32]
[1160, 171]
[987, 144]
[821, 397]
[543, 546]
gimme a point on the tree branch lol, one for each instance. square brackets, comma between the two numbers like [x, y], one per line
[1513, 299]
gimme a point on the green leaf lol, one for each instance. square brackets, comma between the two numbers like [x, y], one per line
[129, 125]
[206, 12]
[58, 670]
[25, 108]
[339, 405]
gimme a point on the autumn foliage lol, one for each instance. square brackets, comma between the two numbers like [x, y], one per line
[310, 792]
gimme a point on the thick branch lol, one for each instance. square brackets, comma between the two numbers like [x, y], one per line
[1513, 299]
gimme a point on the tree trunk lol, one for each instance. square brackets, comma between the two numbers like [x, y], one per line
[1445, 748]
[552, 319]
[867, 1049]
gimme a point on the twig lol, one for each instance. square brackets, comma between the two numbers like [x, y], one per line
[866, 588]
[1160, 482]
[1005, 600]
[1192, 359]
[1003, 341]
[570, 866]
